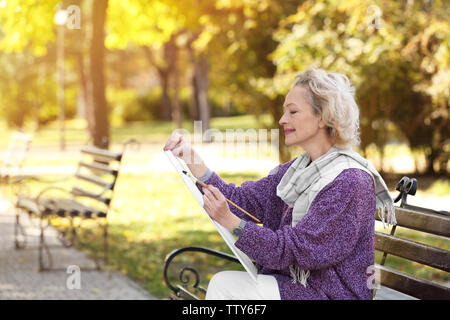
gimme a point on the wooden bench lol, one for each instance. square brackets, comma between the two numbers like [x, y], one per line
[392, 283]
[412, 220]
[89, 199]
[11, 167]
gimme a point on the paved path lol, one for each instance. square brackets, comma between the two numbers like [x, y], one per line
[19, 278]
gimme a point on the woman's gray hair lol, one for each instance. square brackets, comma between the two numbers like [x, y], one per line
[332, 97]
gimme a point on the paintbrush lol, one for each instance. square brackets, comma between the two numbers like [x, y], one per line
[229, 201]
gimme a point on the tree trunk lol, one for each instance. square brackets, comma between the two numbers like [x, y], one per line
[275, 111]
[193, 104]
[165, 111]
[430, 159]
[84, 90]
[166, 103]
[100, 121]
[201, 81]
[177, 113]
[83, 72]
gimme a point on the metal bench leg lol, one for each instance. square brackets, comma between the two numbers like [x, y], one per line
[43, 247]
[68, 237]
[105, 242]
[19, 232]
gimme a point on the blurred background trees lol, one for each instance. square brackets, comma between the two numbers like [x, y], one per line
[139, 60]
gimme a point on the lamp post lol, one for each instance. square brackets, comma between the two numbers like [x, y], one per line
[60, 21]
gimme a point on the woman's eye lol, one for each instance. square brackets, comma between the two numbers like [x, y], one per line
[292, 112]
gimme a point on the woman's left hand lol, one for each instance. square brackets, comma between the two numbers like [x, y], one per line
[216, 206]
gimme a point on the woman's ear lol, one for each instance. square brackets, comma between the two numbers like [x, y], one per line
[321, 124]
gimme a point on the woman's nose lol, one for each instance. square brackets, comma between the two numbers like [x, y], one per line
[282, 120]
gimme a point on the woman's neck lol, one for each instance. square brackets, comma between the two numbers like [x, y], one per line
[318, 150]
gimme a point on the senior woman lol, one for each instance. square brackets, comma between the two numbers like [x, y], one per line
[317, 210]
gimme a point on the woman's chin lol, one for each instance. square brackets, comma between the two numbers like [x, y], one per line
[288, 142]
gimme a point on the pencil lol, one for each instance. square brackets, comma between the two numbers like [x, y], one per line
[229, 201]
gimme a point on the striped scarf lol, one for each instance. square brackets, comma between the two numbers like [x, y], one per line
[302, 182]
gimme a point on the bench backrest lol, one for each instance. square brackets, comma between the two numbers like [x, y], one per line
[97, 174]
[15, 154]
[423, 220]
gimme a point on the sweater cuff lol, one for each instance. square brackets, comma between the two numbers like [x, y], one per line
[206, 176]
[246, 241]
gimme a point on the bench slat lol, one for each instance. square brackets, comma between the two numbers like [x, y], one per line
[98, 167]
[95, 180]
[27, 204]
[63, 207]
[410, 285]
[437, 224]
[59, 206]
[84, 210]
[418, 252]
[103, 153]
[81, 192]
[426, 210]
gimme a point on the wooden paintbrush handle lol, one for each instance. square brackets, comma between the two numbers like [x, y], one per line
[229, 201]
[234, 204]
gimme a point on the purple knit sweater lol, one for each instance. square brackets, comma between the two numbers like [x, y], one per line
[334, 240]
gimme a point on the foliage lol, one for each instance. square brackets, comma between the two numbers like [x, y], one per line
[397, 59]
[27, 24]
[396, 53]
[28, 87]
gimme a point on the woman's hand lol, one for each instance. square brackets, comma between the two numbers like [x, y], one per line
[179, 147]
[184, 150]
[216, 206]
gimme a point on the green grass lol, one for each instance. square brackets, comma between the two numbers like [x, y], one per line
[440, 187]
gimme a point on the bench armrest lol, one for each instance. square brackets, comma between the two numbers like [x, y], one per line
[184, 278]
[41, 179]
[45, 190]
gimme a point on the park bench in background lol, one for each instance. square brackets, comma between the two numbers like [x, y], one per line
[394, 283]
[11, 167]
[89, 200]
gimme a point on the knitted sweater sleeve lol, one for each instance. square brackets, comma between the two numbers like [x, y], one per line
[252, 196]
[325, 236]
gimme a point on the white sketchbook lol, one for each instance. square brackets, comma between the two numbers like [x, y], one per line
[179, 166]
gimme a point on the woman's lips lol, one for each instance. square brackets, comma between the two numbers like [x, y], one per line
[288, 131]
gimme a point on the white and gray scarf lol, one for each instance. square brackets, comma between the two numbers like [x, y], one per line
[302, 182]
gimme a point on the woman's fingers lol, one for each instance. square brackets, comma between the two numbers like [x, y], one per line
[216, 192]
[173, 141]
[207, 205]
[179, 150]
[209, 194]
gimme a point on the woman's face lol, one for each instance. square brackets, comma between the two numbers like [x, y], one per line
[300, 124]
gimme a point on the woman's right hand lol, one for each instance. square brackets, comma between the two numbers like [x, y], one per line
[185, 151]
[178, 146]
